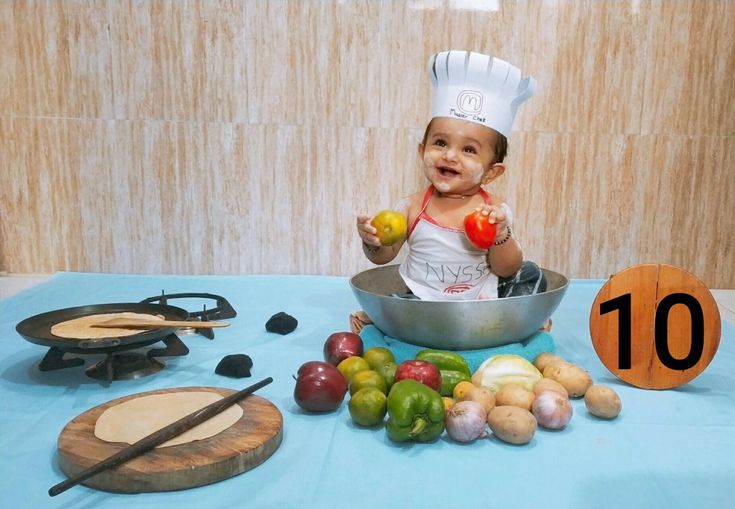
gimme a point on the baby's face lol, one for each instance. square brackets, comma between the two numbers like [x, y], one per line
[457, 154]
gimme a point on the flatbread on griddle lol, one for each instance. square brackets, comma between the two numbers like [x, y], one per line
[83, 327]
[139, 417]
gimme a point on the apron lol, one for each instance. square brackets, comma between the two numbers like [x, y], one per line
[442, 264]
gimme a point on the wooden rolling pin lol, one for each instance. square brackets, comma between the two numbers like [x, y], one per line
[147, 323]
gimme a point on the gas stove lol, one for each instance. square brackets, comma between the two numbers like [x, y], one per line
[123, 356]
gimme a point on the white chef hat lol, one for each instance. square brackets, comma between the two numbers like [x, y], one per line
[477, 88]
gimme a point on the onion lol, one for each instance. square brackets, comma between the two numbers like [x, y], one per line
[551, 409]
[465, 421]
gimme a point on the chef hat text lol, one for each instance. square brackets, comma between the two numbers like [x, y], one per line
[478, 88]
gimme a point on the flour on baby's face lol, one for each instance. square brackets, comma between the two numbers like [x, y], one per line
[474, 171]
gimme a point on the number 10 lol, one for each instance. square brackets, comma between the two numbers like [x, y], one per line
[623, 305]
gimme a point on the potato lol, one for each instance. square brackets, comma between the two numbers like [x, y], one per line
[515, 395]
[602, 401]
[547, 384]
[574, 379]
[481, 395]
[512, 424]
[544, 359]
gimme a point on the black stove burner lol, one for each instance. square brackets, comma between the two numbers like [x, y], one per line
[222, 309]
[118, 364]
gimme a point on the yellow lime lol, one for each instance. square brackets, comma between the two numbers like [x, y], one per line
[448, 403]
[368, 406]
[461, 390]
[378, 356]
[388, 371]
[391, 226]
[367, 378]
[352, 365]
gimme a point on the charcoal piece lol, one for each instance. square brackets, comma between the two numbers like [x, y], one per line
[281, 323]
[235, 366]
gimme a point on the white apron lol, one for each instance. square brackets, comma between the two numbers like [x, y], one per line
[442, 264]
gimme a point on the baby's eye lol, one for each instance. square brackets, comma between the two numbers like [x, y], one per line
[440, 143]
[470, 150]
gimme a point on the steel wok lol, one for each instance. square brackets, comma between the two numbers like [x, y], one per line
[453, 325]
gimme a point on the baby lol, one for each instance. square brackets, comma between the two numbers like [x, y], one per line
[474, 102]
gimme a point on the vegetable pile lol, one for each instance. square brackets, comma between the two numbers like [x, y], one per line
[436, 391]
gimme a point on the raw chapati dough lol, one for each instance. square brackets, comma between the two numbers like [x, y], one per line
[82, 328]
[139, 417]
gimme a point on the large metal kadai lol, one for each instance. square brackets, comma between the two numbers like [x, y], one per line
[453, 325]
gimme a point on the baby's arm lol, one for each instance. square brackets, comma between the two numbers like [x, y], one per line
[505, 255]
[371, 246]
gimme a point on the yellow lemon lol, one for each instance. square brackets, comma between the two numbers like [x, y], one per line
[391, 226]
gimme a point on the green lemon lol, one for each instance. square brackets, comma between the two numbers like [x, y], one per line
[388, 371]
[368, 406]
[351, 365]
[367, 378]
[377, 356]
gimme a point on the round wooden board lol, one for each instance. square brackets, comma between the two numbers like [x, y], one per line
[660, 350]
[242, 446]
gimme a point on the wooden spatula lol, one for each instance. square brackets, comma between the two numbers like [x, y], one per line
[147, 323]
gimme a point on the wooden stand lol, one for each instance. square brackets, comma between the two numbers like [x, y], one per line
[655, 326]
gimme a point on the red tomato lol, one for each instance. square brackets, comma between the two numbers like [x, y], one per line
[479, 230]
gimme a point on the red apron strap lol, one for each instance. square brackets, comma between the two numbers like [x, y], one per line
[424, 203]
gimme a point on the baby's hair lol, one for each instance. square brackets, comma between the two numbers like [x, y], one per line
[501, 143]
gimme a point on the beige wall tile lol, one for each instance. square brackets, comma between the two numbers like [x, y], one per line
[41, 209]
[313, 62]
[690, 67]
[689, 206]
[182, 60]
[586, 58]
[62, 58]
[7, 58]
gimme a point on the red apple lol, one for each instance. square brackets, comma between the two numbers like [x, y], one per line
[341, 345]
[320, 387]
[421, 371]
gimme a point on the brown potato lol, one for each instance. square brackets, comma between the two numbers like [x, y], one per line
[481, 395]
[547, 384]
[574, 379]
[515, 395]
[602, 401]
[544, 359]
[512, 424]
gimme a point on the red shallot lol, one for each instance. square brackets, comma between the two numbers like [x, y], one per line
[465, 421]
[551, 409]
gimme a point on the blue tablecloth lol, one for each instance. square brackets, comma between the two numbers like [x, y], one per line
[672, 448]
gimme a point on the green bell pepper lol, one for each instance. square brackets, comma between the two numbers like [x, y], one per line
[453, 368]
[415, 412]
[450, 379]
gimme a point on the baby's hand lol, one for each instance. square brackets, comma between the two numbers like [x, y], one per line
[496, 216]
[367, 232]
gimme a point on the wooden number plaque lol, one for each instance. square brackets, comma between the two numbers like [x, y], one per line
[655, 326]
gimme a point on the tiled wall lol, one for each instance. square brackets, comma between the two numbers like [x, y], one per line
[231, 137]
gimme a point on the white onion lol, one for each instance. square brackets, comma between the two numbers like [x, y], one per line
[465, 421]
[551, 409]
